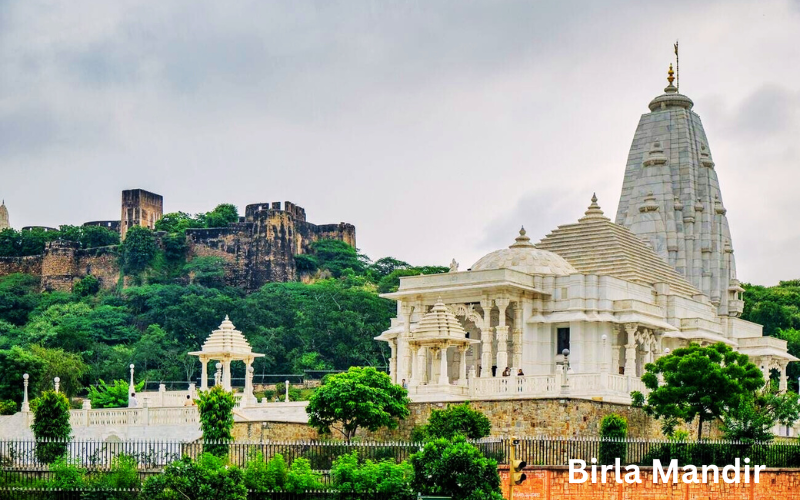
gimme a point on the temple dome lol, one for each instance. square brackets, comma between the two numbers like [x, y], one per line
[524, 257]
[4, 223]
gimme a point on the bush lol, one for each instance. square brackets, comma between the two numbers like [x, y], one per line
[51, 423]
[115, 395]
[613, 432]
[390, 480]
[216, 418]
[261, 476]
[206, 478]
[8, 407]
[89, 285]
[458, 419]
[301, 478]
[455, 468]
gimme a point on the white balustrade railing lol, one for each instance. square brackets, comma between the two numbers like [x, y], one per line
[115, 417]
[580, 384]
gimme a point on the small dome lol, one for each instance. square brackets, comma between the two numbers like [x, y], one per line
[524, 257]
[439, 323]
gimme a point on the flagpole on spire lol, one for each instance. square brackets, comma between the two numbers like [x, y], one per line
[677, 68]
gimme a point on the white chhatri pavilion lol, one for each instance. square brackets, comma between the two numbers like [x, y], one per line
[225, 345]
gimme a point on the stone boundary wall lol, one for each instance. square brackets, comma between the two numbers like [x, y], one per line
[552, 483]
[523, 417]
[24, 265]
[554, 417]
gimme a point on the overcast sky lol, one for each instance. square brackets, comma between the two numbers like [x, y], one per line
[436, 127]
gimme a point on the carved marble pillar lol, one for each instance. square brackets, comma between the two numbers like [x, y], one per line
[784, 381]
[502, 335]
[462, 366]
[444, 379]
[393, 361]
[407, 373]
[414, 355]
[434, 356]
[630, 349]
[422, 365]
[226, 374]
[486, 339]
[204, 373]
[516, 337]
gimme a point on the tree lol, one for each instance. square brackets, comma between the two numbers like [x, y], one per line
[221, 216]
[69, 367]
[336, 256]
[88, 285]
[385, 266]
[613, 431]
[208, 271]
[177, 222]
[16, 362]
[115, 395]
[698, 382]
[51, 424]
[18, 297]
[138, 249]
[752, 420]
[359, 397]
[455, 420]
[216, 419]
[391, 281]
[455, 468]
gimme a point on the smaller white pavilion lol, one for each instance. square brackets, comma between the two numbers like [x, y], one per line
[227, 344]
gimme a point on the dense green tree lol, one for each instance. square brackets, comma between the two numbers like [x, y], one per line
[613, 430]
[51, 423]
[457, 420]
[698, 382]
[177, 222]
[17, 361]
[138, 249]
[67, 366]
[335, 256]
[358, 398]
[116, 395]
[385, 266]
[456, 469]
[18, 297]
[88, 285]
[221, 216]
[754, 417]
[216, 418]
[208, 271]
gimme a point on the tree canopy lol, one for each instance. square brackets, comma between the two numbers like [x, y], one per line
[698, 382]
[357, 398]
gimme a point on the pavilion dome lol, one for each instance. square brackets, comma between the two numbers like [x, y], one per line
[524, 257]
[439, 323]
[226, 340]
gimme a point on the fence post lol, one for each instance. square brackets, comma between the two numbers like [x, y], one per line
[161, 390]
[145, 413]
[87, 405]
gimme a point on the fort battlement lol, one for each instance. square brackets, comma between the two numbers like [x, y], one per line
[256, 250]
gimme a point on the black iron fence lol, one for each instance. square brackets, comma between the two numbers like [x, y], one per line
[133, 494]
[154, 455]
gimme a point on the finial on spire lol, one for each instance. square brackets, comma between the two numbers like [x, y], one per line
[594, 211]
[523, 240]
[671, 75]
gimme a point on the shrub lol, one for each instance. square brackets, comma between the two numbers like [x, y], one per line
[89, 285]
[51, 423]
[613, 431]
[206, 478]
[455, 468]
[301, 478]
[389, 480]
[216, 418]
[261, 476]
[8, 407]
[115, 395]
[458, 419]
